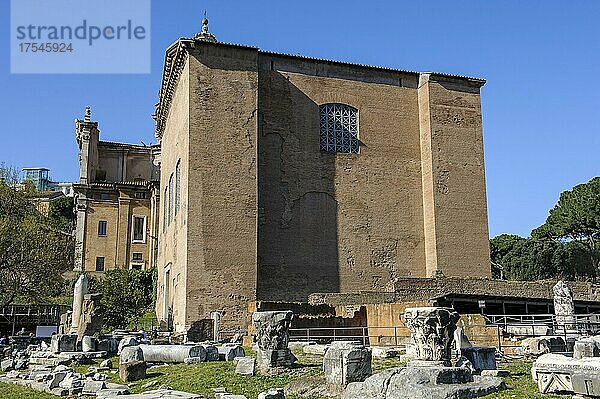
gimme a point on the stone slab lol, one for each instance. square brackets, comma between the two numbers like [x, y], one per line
[245, 366]
[423, 382]
[481, 357]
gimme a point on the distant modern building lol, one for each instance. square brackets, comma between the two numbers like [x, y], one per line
[39, 176]
[116, 202]
[42, 181]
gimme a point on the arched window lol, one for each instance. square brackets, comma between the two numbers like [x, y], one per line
[339, 128]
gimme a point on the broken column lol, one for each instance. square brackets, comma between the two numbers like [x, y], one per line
[172, 353]
[90, 320]
[81, 289]
[216, 318]
[432, 332]
[564, 307]
[272, 337]
[346, 362]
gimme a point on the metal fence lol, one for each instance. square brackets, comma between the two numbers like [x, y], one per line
[502, 331]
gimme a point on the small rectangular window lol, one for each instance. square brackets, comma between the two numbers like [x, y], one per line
[137, 257]
[177, 186]
[100, 263]
[136, 266]
[102, 228]
[140, 195]
[139, 229]
[171, 198]
[104, 196]
[164, 201]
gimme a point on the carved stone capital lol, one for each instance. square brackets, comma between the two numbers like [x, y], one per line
[432, 331]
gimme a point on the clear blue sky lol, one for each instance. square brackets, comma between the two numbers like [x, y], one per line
[540, 106]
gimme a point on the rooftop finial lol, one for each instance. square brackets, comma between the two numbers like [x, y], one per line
[204, 23]
[205, 35]
[87, 117]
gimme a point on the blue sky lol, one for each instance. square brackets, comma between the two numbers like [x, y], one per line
[540, 106]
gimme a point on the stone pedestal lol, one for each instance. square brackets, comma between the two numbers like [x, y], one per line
[432, 332]
[346, 362]
[431, 382]
[272, 337]
[481, 357]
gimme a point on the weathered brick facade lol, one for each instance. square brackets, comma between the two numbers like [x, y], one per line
[264, 214]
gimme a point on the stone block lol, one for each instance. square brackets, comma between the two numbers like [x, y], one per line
[346, 362]
[130, 354]
[56, 379]
[228, 352]
[88, 343]
[7, 365]
[270, 358]
[586, 347]
[431, 382]
[273, 393]
[481, 357]
[539, 345]
[129, 340]
[212, 353]
[316, 349]
[245, 366]
[132, 371]
[91, 387]
[63, 343]
[553, 372]
[224, 395]
[382, 352]
[107, 363]
[495, 373]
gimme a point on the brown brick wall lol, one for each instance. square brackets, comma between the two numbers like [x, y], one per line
[221, 268]
[456, 228]
[336, 222]
[173, 238]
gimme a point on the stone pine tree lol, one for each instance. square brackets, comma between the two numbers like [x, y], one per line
[576, 219]
[34, 252]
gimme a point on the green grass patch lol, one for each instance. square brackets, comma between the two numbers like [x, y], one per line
[11, 391]
[520, 383]
[201, 378]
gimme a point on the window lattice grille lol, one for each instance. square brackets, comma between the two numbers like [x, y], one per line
[339, 128]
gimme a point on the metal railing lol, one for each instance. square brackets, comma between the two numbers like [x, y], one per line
[32, 310]
[496, 332]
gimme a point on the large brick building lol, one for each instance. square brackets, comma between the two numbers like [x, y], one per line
[284, 175]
